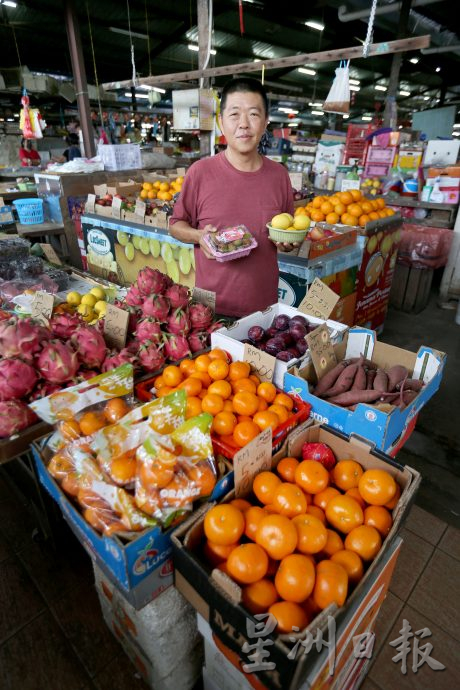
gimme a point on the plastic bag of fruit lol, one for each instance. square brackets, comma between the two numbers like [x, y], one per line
[176, 469]
[115, 446]
[91, 405]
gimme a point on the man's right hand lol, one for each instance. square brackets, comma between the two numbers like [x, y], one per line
[204, 247]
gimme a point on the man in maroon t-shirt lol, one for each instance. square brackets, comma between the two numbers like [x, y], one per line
[236, 187]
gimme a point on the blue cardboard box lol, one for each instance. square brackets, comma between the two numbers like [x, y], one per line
[379, 427]
[141, 568]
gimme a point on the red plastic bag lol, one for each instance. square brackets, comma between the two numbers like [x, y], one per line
[423, 246]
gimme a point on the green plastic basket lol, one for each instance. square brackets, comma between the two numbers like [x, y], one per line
[286, 235]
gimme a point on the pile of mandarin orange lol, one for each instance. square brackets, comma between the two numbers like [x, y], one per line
[241, 405]
[348, 208]
[304, 538]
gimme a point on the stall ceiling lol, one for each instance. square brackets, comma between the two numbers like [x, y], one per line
[271, 30]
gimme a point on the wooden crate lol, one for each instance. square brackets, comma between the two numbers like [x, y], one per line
[410, 289]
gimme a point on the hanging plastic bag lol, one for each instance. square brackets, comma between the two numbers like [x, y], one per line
[25, 123]
[338, 98]
[35, 118]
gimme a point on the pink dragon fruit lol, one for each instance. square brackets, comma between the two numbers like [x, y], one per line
[148, 329]
[156, 306]
[116, 359]
[178, 322]
[63, 326]
[151, 281]
[17, 379]
[86, 374]
[57, 362]
[215, 326]
[134, 297]
[15, 416]
[151, 357]
[201, 316]
[43, 390]
[22, 338]
[176, 347]
[198, 340]
[178, 296]
[90, 346]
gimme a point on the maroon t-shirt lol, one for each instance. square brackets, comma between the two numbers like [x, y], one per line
[216, 193]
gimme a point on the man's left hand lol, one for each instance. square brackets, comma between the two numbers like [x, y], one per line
[286, 246]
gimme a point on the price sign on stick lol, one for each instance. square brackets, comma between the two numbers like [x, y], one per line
[116, 207]
[262, 363]
[42, 307]
[116, 326]
[50, 254]
[251, 460]
[140, 208]
[319, 300]
[321, 350]
[206, 297]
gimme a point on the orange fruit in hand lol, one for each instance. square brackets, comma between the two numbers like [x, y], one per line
[281, 412]
[285, 400]
[365, 541]
[289, 500]
[252, 517]
[331, 584]
[378, 517]
[217, 553]
[344, 513]
[352, 564]
[346, 474]
[322, 499]
[266, 419]
[286, 469]
[265, 485]
[224, 423]
[172, 375]
[244, 432]
[222, 388]
[247, 563]
[218, 369]
[213, 404]
[277, 535]
[334, 543]
[245, 403]
[259, 596]
[239, 370]
[377, 487]
[289, 616]
[312, 476]
[91, 422]
[311, 533]
[295, 578]
[115, 409]
[267, 391]
[224, 524]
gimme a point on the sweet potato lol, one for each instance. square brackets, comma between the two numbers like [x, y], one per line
[411, 385]
[328, 380]
[344, 381]
[370, 376]
[359, 382]
[354, 397]
[407, 398]
[381, 381]
[395, 375]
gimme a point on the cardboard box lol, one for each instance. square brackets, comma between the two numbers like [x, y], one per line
[344, 310]
[6, 214]
[217, 598]
[130, 564]
[380, 428]
[343, 237]
[229, 338]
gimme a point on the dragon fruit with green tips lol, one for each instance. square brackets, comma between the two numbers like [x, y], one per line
[17, 379]
[22, 338]
[57, 362]
[90, 346]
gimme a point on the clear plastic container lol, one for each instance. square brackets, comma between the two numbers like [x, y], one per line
[230, 243]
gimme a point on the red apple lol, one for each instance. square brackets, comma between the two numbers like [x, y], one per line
[319, 452]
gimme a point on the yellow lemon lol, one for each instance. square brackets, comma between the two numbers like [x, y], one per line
[89, 299]
[84, 309]
[98, 292]
[301, 222]
[73, 298]
[281, 221]
[100, 308]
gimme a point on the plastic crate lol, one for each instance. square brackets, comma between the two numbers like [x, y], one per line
[30, 211]
[120, 156]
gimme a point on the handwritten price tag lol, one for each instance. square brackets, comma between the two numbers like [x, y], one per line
[42, 307]
[319, 300]
[262, 363]
[140, 207]
[116, 207]
[321, 350]
[251, 460]
[50, 254]
[90, 203]
[206, 297]
[116, 326]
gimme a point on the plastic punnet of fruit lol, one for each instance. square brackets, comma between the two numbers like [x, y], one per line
[304, 537]
[230, 243]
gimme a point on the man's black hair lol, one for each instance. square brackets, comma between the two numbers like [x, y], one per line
[243, 84]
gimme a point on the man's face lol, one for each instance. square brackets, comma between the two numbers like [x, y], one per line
[243, 121]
